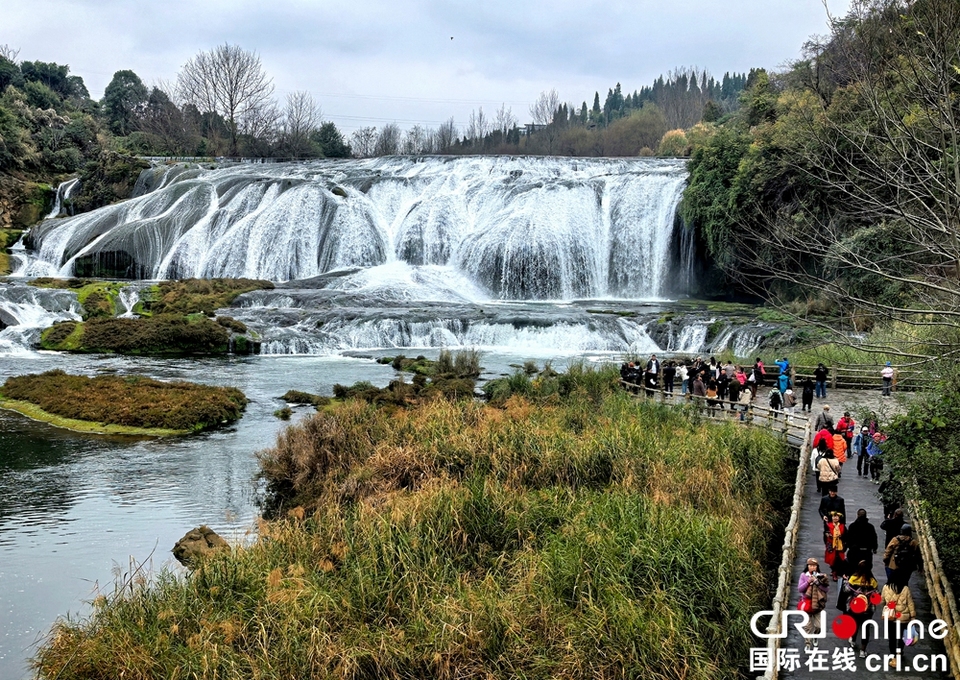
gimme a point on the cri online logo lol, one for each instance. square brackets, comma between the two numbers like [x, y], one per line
[844, 626]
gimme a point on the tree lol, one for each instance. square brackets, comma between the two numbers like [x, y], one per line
[542, 110]
[446, 135]
[363, 142]
[877, 237]
[388, 141]
[230, 82]
[301, 119]
[504, 120]
[478, 126]
[331, 142]
[123, 101]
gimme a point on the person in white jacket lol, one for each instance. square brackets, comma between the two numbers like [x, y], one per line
[887, 374]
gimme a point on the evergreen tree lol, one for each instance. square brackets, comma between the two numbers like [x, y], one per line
[123, 100]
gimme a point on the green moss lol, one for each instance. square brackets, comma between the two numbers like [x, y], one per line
[127, 401]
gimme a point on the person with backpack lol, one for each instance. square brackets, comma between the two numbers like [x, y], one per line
[897, 603]
[824, 419]
[776, 400]
[876, 459]
[902, 557]
[761, 372]
[813, 587]
[861, 587]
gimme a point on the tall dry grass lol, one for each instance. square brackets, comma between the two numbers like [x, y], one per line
[582, 535]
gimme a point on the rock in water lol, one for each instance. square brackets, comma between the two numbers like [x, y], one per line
[198, 543]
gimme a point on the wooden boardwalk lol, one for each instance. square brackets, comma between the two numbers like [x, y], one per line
[835, 658]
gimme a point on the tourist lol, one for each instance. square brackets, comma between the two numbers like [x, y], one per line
[682, 375]
[846, 426]
[834, 545]
[876, 459]
[820, 381]
[783, 382]
[776, 400]
[711, 395]
[887, 374]
[891, 526]
[699, 390]
[752, 383]
[813, 586]
[897, 602]
[806, 396]
[723, 382]
[839, 447]
[784, 366]
[824, 419]
[859, 449]
[744, 401]
[714, 368]
[741, 376]
[861, 586]
[902, 556]
[823, 435]
[733, 393]
[761, 372]
[829, 469]
[669, 373]
[789, 402]
[653, 371]
[862, 542]
[831, 502]
[821, 453]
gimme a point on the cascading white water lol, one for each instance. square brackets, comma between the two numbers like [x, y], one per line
[517, 228]
[64, 192]
[128, 297]
[25, 311]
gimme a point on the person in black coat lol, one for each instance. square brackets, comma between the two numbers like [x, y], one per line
[892, 525]
[861, 539]
[806, 398]
[830, 504]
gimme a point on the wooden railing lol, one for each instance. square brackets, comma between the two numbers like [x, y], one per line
[938, 587]
[723, 410]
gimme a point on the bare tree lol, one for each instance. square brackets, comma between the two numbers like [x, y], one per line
[363, 141]
[301, 118]
[230, 82]
[388, 141]
[416, 141]
[477, 127]
[886, 149]
[9, 53]
[504, 120]
[542, 110]
[446, 135]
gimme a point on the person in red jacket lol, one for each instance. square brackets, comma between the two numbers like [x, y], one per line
[846, 427]
[825, 435]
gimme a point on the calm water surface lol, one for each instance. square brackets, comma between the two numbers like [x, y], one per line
[77, 510]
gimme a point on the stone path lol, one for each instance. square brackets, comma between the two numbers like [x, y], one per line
[836, 658]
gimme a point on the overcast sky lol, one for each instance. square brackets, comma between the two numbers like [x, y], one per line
[371, 62]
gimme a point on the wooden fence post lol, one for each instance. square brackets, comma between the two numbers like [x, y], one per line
[833, 380]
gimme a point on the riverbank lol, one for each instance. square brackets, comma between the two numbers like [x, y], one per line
[34, 412]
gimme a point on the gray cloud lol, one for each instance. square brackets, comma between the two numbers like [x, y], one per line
[373, 61]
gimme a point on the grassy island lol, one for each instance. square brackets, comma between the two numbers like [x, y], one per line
[121, 404]
[174, 317]
[569, 533]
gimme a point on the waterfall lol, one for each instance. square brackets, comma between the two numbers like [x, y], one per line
[518, 228]
[25, 311]
[128, 297]
[64, 192]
